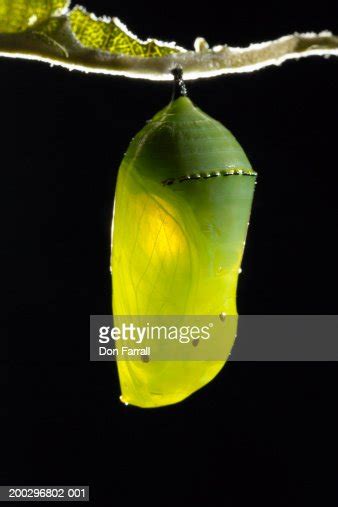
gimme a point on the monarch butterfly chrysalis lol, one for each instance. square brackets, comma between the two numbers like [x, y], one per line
[181, 212]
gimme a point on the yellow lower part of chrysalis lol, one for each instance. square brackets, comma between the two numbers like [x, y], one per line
[176, 251]
[159, 383]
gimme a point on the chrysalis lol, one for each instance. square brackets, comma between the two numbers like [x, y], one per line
[181, 212]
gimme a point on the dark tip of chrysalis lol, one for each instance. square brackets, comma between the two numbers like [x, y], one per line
[179, 89]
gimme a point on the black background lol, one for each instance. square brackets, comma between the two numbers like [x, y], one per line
[263, 433]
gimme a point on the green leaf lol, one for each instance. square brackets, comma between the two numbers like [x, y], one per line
[111, 35]
[20, 15]
[49, 31]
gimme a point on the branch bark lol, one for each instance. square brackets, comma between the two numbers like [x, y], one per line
[63, 48]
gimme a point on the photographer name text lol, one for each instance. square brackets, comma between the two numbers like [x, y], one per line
[124, 351]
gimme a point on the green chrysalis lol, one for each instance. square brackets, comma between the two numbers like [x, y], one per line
[182, 207]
